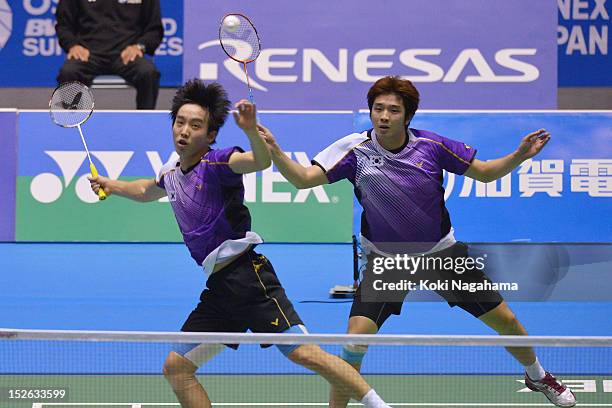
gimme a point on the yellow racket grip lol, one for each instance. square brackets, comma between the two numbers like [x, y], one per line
[94, 173]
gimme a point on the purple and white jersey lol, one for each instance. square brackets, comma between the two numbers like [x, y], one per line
[401, 193]
[207, 202]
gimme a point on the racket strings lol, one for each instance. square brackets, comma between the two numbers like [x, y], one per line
[71, 104]
[241, 42]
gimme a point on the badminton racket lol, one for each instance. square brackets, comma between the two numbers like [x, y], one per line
[71, 104]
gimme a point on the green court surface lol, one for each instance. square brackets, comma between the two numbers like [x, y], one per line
[144, 391]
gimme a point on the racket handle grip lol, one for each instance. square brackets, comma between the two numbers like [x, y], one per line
[251, 99]
[94, 173]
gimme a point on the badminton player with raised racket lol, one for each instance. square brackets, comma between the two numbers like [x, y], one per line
[397, 174]
[206, 191]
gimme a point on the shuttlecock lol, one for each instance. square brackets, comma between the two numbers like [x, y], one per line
[231, 23]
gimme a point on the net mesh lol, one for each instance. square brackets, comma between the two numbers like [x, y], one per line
[71, 104]
[125, 369]
[238, 38]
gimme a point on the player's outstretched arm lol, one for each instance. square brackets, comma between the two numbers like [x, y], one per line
[142, 190]
[259, 157]
[298, 175]
[491, 170]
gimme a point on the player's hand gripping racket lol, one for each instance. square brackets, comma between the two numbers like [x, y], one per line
[240, 41]
[71, 104]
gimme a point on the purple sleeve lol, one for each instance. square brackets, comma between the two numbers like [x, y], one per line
[344, 169]
[455, 156]
[160, 182]
[218, 159]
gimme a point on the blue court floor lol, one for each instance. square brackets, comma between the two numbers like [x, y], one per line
[153, 287]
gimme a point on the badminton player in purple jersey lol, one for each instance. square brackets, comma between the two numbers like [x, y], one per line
[397, 176]
[206, 191]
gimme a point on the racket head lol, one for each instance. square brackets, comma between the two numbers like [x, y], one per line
[71, 104]
[239, 38]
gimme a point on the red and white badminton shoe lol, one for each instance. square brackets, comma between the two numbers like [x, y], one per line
[555, 390]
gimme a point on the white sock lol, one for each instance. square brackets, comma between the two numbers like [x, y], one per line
[535, 371]
[372, 400]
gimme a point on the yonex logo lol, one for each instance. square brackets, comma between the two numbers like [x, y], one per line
[6, 22]
[48, 187]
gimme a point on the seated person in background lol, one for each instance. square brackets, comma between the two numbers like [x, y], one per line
[111, 37]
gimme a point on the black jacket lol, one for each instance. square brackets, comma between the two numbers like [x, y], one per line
[106, 27]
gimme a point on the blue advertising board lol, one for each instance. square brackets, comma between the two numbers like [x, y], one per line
[325, 55]
[583, 38]
[30, 54]
[8, 173]
[561, 195]
[54, 196]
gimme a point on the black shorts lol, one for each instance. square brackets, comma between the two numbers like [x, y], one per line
[378, 306]
[244, 295]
